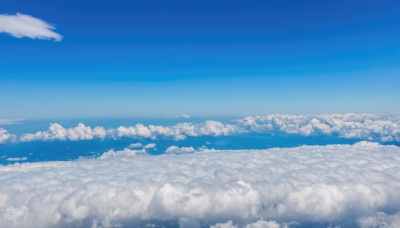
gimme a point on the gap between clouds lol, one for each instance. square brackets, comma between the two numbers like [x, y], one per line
[379, 127]
[22, 25]
[344, 185]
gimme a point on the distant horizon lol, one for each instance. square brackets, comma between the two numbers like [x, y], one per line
[203, 58]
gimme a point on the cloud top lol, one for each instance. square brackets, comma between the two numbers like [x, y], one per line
[22, 25]
[345, 185]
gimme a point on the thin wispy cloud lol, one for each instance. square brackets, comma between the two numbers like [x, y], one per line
[22, 25]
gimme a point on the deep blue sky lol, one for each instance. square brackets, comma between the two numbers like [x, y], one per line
[137, 58]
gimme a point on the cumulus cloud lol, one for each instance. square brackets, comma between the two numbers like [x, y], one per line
[5, 136]
[345, 185]
[58, 132]
[22, 25]
[381, 219]
[135, 145]
[150, 146]
[178, 132]
[129, 151]
[180, 150]
[374, 127]
[362, 126]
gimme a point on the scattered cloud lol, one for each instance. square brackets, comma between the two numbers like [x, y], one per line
[178, 132]
[58, 132]
[22, 25]
[374, 127]
[362, 126]
[129, 151]
[135, 145]
[9, 121]
[150, 146]
[183, 116]
[179, 150]
[345, 185]
[6, 137]
[17, 159]
[381, 219]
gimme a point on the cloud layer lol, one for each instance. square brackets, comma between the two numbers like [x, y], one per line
[338, 184]
[378, 127]
[22, 25]
[362, 126]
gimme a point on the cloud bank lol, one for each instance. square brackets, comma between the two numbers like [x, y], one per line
[375, 127]
[362, 126]
[178, 132]
[349, 185]
[22, 25]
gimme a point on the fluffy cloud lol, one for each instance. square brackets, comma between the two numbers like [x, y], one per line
[129, 151]
[345, 185]
[17, 159]
[58, 132]
[381, 219]
[384, 128]
[180, 150]
[5, 136]
[362, 126]
[178, 132]
[8, 121]
[22, 25]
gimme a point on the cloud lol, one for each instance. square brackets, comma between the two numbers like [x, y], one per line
[381, 127]
[129, 151]
[22, 25]
[150, 146]
[178, 132]
[9, 121]
[17, 159]
[135, 145]
[6, 137]
[346, 185]
[374, 127]
[58, 132]
[381, 219]
[180, 150]
[126, 152]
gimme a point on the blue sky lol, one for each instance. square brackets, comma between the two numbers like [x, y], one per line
[204, 58]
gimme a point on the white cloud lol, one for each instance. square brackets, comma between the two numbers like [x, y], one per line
[362, 126]
[58, 132]
[381, 219]
[135, 145]
[22, 25]
[377, 127]
[125, 152]
[180, 150]
[150, 146]
[17, 159]
[9, 121]
[5, 136]
[336, 184]
[178, 132]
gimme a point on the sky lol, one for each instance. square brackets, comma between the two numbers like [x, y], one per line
[202, 58]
